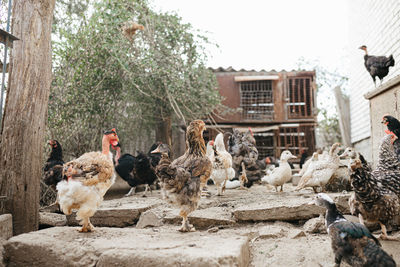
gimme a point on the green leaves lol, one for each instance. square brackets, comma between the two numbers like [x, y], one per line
[103, 79]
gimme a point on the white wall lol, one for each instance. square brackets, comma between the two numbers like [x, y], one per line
[376, 24]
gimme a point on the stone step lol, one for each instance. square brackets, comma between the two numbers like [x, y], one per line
[120, 212]
[289, 207]
[65, 246]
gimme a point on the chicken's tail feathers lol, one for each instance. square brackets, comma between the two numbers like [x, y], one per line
[390, 62]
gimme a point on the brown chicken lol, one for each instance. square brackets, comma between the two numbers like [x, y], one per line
[86, 180]
[183, 180]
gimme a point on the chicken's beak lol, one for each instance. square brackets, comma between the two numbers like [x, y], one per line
[114, 142]
[293, 157]
[157, 150]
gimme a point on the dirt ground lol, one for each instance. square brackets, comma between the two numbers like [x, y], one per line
[272, 243]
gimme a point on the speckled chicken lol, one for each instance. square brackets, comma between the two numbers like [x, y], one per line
[242, 147]
[351, 242]
[375, 199]
[183, 179]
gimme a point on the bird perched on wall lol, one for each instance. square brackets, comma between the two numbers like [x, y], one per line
[137, 170]
[86, 180]
[183, 180]
[221, 160]
[377, 66]
[351, 242]
[393, 126]
[52, 170]
[281, 174]
[375, 200]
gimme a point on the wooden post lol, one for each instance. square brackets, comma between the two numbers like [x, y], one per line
[25, 113]
[343, 108]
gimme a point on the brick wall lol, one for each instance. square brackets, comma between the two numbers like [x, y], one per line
[376, 24]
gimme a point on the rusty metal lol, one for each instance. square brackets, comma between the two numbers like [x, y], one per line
[300, 98]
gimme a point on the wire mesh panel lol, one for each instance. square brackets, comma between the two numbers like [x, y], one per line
[256, 100]
[265, 144]
[300, 98]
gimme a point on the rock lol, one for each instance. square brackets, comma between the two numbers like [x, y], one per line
[296, 233]
[282, 209]
[149, 218]
[119, 212]
[52, 219]
[6, 226]
[315, 225]
[65, 246]
[202, 218]
[271, 231]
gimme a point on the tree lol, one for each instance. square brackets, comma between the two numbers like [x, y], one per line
[25, 112]
[152, 81]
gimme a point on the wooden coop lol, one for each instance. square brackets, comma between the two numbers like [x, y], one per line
[279, 107]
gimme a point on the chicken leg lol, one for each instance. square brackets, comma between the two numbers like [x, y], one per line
[86, 226]
[384, 235]
[131, 192]
[186, 227]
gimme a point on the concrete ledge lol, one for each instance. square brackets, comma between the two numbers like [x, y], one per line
[384, 87]
[65, 246]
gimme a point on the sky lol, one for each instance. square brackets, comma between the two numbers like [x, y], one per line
[265, 34]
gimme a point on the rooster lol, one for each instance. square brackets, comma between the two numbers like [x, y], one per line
[351, 242]
[52, 170]
[183, 180]
[377, 66]
[221, 160]
[87, 179]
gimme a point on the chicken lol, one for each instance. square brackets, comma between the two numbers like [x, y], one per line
[242, 147]
[375, 199]
[129, 29]
[221, 160]
[52, 170]
[377, 66]
[393, 127]
[321, 172]
[137, 170]
[281, 174]
[351, 242]
[183, 180]
[87, 180]
[312, 160]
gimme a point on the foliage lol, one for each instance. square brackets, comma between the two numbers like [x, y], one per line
[103, 79]
[328, 129]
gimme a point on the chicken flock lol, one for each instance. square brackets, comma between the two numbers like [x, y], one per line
[232, 160]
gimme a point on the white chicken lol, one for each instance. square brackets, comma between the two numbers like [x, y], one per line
[87, 180]
[319, 174]
[221, 160]
[282, 174]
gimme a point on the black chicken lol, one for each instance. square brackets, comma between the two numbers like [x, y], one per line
[52, 170]
[393, 126]
[351, 242]
[377, 66]
[137, 170]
